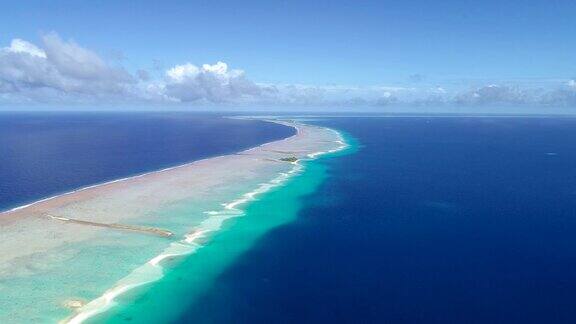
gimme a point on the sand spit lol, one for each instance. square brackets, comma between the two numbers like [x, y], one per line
[34, 236]
[124, 227]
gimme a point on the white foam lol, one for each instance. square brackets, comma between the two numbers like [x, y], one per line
[343, 145]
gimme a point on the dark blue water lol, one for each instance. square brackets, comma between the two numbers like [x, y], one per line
[43, 154]
[434, 220]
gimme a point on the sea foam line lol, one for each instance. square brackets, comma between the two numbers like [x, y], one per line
[153, 270]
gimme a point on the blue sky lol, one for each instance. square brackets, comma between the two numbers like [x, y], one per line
[375, 46]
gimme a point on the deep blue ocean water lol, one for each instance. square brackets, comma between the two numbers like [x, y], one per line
[44, 154]
[433, 220]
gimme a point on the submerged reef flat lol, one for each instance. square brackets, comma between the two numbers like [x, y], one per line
[79, 246]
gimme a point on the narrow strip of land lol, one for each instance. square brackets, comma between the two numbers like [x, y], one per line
[124, 227]
[55, 240]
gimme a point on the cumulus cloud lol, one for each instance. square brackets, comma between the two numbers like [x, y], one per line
[21, 46]
[63, 71]
[58, 69]
[213, 83]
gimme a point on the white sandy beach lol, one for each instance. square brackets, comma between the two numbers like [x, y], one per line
[41, 238]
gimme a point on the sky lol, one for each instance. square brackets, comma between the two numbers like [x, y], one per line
[288, 53]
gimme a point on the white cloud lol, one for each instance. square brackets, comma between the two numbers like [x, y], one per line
[180, 72]
[212, 83]
[63, 71]
[58, 70]
[21, 46]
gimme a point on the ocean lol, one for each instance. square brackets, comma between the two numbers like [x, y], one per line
[421, 220]
[441, 219]
[43, 154]
[46, 154]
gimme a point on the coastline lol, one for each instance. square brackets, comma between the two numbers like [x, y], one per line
[192, 182]
[186, 282]
[66, 193]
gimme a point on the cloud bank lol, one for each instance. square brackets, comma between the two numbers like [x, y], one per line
[60, 71]
[214, 83]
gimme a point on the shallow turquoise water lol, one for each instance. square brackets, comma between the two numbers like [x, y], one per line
[187, 278]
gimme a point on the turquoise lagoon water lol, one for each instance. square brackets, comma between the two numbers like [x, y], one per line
[111, 257]
[187, 277]
[82, 149]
